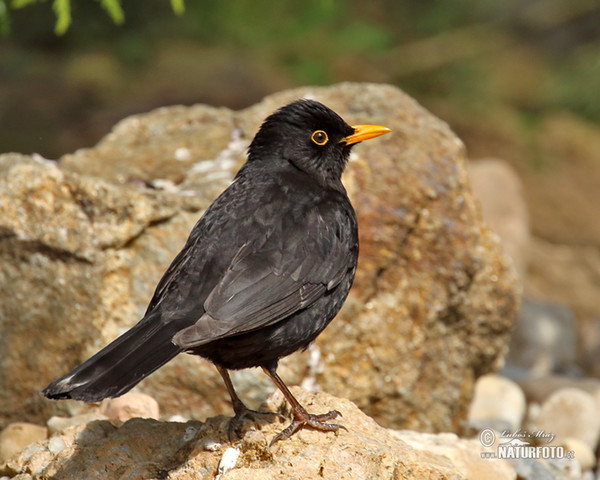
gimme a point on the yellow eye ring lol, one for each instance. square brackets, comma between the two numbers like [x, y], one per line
[319, 137]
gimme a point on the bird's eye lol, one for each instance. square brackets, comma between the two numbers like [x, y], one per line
[319, 137]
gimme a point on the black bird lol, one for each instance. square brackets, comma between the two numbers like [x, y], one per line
[263, 272]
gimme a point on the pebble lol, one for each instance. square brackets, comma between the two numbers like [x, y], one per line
[498, 403]
[569, 413]
[17, 436]
[228, 461]
[583, 453]
[60, 424]
[56, 445]
[130, 405]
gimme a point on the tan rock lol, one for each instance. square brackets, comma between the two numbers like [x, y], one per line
[500, 192]
[130, 405]
[569, 413]
[464, 454]
[58, 424]
[145, 448]
[498, 403]
[430, 310]
[582, 452]
[17, 436]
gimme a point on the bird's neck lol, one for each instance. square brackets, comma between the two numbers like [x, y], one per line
[325, 179]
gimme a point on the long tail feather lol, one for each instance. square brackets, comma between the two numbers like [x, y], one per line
[119, 366]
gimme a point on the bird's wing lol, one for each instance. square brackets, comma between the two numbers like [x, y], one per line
[265, 283]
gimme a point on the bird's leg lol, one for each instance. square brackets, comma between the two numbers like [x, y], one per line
[301, 417]
[241, 410]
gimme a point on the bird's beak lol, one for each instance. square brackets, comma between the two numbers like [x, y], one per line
[364, 132]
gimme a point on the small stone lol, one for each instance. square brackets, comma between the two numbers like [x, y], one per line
[183, 154]
[498, 403]
[228, 461]
[178, 419]
[211, 446]
[56, 445]
[582, 451]
[17, 436]
[58, 424]
[570, 413]
[130, 405]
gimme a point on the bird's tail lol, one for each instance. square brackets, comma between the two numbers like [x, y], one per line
[119, 366]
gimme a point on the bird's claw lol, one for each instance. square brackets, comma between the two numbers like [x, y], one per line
[253, 415]
[316, 422]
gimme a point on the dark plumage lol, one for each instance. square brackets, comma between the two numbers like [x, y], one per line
[263, 272]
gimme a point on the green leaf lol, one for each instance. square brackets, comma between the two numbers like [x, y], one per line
[4, 19]
[21, 3]
[178, 6]
[62, 9]
[114, 10]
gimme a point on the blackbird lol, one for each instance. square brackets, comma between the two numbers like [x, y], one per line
[263, 272]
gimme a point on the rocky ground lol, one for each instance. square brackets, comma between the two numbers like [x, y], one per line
[427, 323]
[146, 448]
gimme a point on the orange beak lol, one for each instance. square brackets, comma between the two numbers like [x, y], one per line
[364, 132]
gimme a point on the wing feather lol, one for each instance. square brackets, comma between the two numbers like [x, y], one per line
[269, 281]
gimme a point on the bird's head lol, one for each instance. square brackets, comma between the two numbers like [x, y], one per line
[311, 137]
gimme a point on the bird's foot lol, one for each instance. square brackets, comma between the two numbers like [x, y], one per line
[303, 419]
[243, 414]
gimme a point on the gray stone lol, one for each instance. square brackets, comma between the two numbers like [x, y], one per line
[544, 341]
[539, 389]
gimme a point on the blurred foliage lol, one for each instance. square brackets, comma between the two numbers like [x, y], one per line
[62, 10]
[460, 58]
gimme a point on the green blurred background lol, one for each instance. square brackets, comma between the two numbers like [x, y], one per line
[504, 63]
[517, 80]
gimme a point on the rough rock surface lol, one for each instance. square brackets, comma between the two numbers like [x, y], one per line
[83, 244]
[144, 448]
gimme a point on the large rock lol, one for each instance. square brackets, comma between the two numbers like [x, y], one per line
[84, 243]
[499, 190]
[144, 448]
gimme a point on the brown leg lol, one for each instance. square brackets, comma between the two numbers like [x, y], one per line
[301, 417]
[241, 410]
